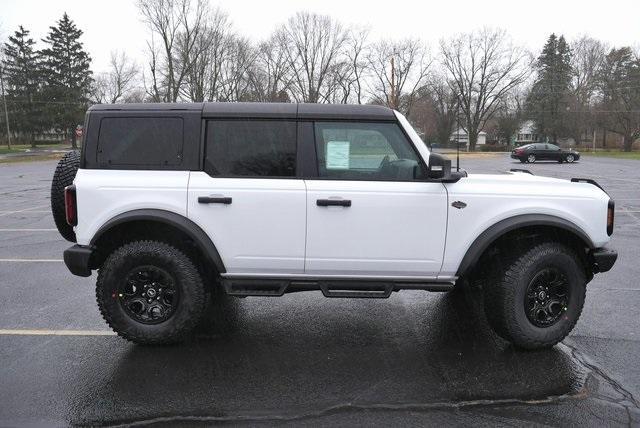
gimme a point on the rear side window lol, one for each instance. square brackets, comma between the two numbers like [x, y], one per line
[140, 141]
[251, 148]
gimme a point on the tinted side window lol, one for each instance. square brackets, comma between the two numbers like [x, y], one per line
[364, 151]
[140, 141]
[251, 148]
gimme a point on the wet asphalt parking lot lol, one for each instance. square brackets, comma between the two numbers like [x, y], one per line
[413, 359]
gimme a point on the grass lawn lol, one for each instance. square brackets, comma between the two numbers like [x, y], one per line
[614, 154]
[20, 148]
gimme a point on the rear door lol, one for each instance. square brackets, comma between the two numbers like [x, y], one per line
[248, 199]
[369, 212]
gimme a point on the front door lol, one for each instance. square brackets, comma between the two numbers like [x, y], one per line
[369, 211]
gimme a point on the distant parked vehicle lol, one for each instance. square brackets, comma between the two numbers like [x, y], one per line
[544, 151]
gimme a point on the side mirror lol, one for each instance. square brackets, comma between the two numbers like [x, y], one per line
[439, 166]
[440, 169]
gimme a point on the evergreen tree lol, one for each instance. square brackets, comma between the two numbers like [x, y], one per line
[67, 76]
[21, 70]
[549, 100]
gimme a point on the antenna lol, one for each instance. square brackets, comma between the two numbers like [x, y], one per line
[457, 137]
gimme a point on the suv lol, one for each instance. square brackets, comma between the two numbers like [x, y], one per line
[174, 204]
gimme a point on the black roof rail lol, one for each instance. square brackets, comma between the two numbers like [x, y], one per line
[590, 181]
[526, 171]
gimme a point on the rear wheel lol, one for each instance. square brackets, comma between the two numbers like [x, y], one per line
[531, 158]
[537, 299]
[63, 177]
[150, 293]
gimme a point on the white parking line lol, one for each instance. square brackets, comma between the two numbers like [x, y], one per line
[31, 260]
[43, 332]
[24, 210]
[28, 230]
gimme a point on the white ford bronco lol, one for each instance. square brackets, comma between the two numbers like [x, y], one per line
[173, 204]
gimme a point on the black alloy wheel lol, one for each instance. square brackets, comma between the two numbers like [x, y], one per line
[547, 297]
[148, 295]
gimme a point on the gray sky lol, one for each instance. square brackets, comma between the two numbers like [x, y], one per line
[115, 24]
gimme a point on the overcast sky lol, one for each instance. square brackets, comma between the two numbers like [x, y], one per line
[116, 25]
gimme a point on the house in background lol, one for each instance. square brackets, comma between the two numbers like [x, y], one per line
[526, 134]
[463, 139]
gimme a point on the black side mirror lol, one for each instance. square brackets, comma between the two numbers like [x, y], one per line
[439, 167]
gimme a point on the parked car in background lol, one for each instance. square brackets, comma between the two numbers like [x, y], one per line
[544, 151]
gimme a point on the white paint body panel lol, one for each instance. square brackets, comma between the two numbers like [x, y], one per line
[262, 230]
[492, 198]
[103, 194]
[390, 229]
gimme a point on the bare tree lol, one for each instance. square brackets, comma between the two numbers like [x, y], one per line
[351, 71]
[212, 48]
[270, 76]
[114, 85]
[444, 102]
[178, 25]
[399, 69]
[312, 44]
[236, 81]
[587, 60]
[483, 67]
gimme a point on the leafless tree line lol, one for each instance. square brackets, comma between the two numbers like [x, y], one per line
[476, 80]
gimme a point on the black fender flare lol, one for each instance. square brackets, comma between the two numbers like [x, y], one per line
[178, 221]
[486, 238]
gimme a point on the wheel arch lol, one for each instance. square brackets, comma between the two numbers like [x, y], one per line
[541, 222]
[176, 224]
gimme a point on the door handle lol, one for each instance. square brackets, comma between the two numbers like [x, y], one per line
[333, 202]
[214, 200]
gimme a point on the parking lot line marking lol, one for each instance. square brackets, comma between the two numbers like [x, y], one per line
[31, 260]
[23, 211]
[43, 332]
[26, 209]
[28, 230]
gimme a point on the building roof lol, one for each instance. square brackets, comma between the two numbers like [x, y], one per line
[264, 110]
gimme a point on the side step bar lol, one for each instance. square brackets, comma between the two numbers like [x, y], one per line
[348, 288]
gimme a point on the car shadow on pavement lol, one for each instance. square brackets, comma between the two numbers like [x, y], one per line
[273, 358]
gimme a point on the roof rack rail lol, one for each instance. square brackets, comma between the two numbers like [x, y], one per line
[526, 171]
[590, 181]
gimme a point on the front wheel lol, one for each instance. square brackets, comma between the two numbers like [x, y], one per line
[570, 158]
[531, 158]
[150, 293]
[537, 300]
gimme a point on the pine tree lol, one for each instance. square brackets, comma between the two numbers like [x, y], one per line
[549, 100]
[67, 76]
[21, 70]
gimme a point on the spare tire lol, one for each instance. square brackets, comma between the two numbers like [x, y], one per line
[63, 177]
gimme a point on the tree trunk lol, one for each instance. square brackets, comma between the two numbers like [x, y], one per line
[473, 139]
[627, 141]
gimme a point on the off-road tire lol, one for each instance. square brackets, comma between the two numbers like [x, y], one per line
[192, 295]
[504, 296]
[63, 177]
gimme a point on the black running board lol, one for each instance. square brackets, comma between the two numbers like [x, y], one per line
[346, 288]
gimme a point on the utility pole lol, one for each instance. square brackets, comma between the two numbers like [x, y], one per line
[393, 85]
[6, 112]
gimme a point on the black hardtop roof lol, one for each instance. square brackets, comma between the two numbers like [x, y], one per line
[263, 110]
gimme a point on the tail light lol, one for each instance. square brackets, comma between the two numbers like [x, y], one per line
[71, 205]
[611, 208]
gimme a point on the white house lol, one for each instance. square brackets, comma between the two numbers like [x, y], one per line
[463, 139]
[526, 134]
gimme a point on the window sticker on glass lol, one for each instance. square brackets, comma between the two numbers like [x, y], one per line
[338, 154]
